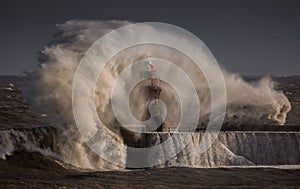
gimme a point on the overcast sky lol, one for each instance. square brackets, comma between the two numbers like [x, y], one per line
[251, 37]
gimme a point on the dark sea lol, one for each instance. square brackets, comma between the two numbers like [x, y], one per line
[253, 157]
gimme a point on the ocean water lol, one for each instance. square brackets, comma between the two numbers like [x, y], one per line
[35, 155]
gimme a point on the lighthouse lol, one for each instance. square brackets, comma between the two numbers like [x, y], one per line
[153, 91]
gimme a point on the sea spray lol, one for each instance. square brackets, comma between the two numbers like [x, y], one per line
[247, 103]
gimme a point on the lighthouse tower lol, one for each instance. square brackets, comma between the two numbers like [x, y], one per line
[153, 88]
[153, 91]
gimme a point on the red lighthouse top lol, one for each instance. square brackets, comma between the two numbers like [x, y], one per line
[152, 77]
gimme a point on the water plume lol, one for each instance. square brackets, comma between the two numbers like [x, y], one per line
[247, 103]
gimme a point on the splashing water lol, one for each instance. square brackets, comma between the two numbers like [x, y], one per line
[247, 103]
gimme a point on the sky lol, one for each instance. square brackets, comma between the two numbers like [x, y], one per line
[249, 37]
